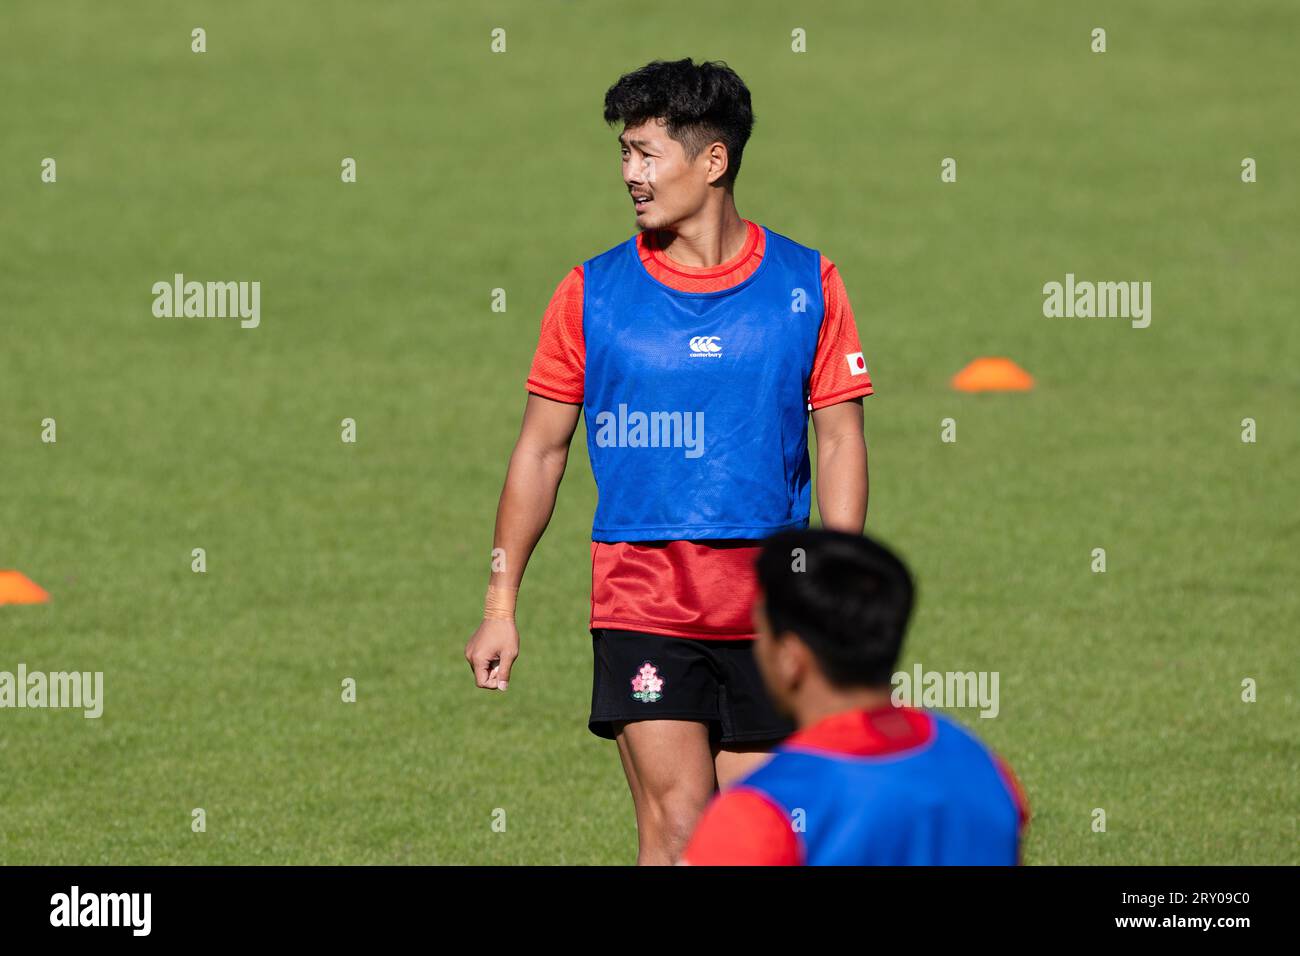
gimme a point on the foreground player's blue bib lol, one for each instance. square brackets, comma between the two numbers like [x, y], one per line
[696, 404]
[941, 803]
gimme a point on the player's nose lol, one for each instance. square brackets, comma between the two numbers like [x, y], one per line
[638, 172]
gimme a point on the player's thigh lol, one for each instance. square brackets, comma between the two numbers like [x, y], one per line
[669, 761]
[734, 761]
[629, 769]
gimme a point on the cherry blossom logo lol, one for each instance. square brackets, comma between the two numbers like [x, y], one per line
[647, 684]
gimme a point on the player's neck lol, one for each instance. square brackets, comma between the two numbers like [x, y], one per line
[709, 238]
[822, 705]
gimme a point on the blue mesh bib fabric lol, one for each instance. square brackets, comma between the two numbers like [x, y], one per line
[942, 803]
[696, 402]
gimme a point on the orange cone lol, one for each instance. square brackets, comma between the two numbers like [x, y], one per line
[993, 375]
[18, 588]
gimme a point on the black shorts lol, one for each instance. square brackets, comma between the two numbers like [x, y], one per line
[640, 676]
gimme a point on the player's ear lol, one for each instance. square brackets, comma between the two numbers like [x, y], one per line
[795, 659]
[719, 161]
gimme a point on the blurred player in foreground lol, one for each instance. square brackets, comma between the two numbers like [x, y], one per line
[861, 782]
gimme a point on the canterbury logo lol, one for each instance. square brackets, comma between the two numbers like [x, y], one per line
[705, 346]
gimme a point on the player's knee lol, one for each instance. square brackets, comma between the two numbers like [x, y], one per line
[673, 813]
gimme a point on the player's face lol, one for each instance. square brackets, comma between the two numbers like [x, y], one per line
[664, 185]
[767, 656]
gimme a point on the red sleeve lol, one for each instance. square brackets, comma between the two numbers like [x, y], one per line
[1017, 791]
[560, 360]
[1012, 784]
[743, 827]
[839, 370]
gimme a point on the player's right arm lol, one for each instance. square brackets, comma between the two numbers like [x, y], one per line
[556, 382]
[527, 502]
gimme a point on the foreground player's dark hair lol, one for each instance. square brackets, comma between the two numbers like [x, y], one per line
[700, 102]
[850, 603]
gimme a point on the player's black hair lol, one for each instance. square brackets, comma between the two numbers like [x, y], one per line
[700, 102]
[844, 595]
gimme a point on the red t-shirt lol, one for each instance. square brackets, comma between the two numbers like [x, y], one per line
[700, 589]
[743, 827]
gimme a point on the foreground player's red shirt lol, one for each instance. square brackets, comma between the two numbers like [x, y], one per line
[743, 827]
[700, 589]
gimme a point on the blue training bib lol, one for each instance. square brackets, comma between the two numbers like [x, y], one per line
[944, 803]
[696, 403]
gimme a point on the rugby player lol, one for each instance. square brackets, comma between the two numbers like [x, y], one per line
[861, 782]
[697, 350]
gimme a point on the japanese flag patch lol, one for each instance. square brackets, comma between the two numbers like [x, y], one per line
[857, 364]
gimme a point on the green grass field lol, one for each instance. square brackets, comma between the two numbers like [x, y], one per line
[478, 171]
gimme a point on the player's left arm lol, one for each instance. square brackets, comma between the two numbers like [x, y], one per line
[842, 482]
[838, 383]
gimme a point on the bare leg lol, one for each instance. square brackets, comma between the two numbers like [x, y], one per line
[669, 767]
[737, 760]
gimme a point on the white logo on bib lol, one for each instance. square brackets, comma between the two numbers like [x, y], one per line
[706, 346]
